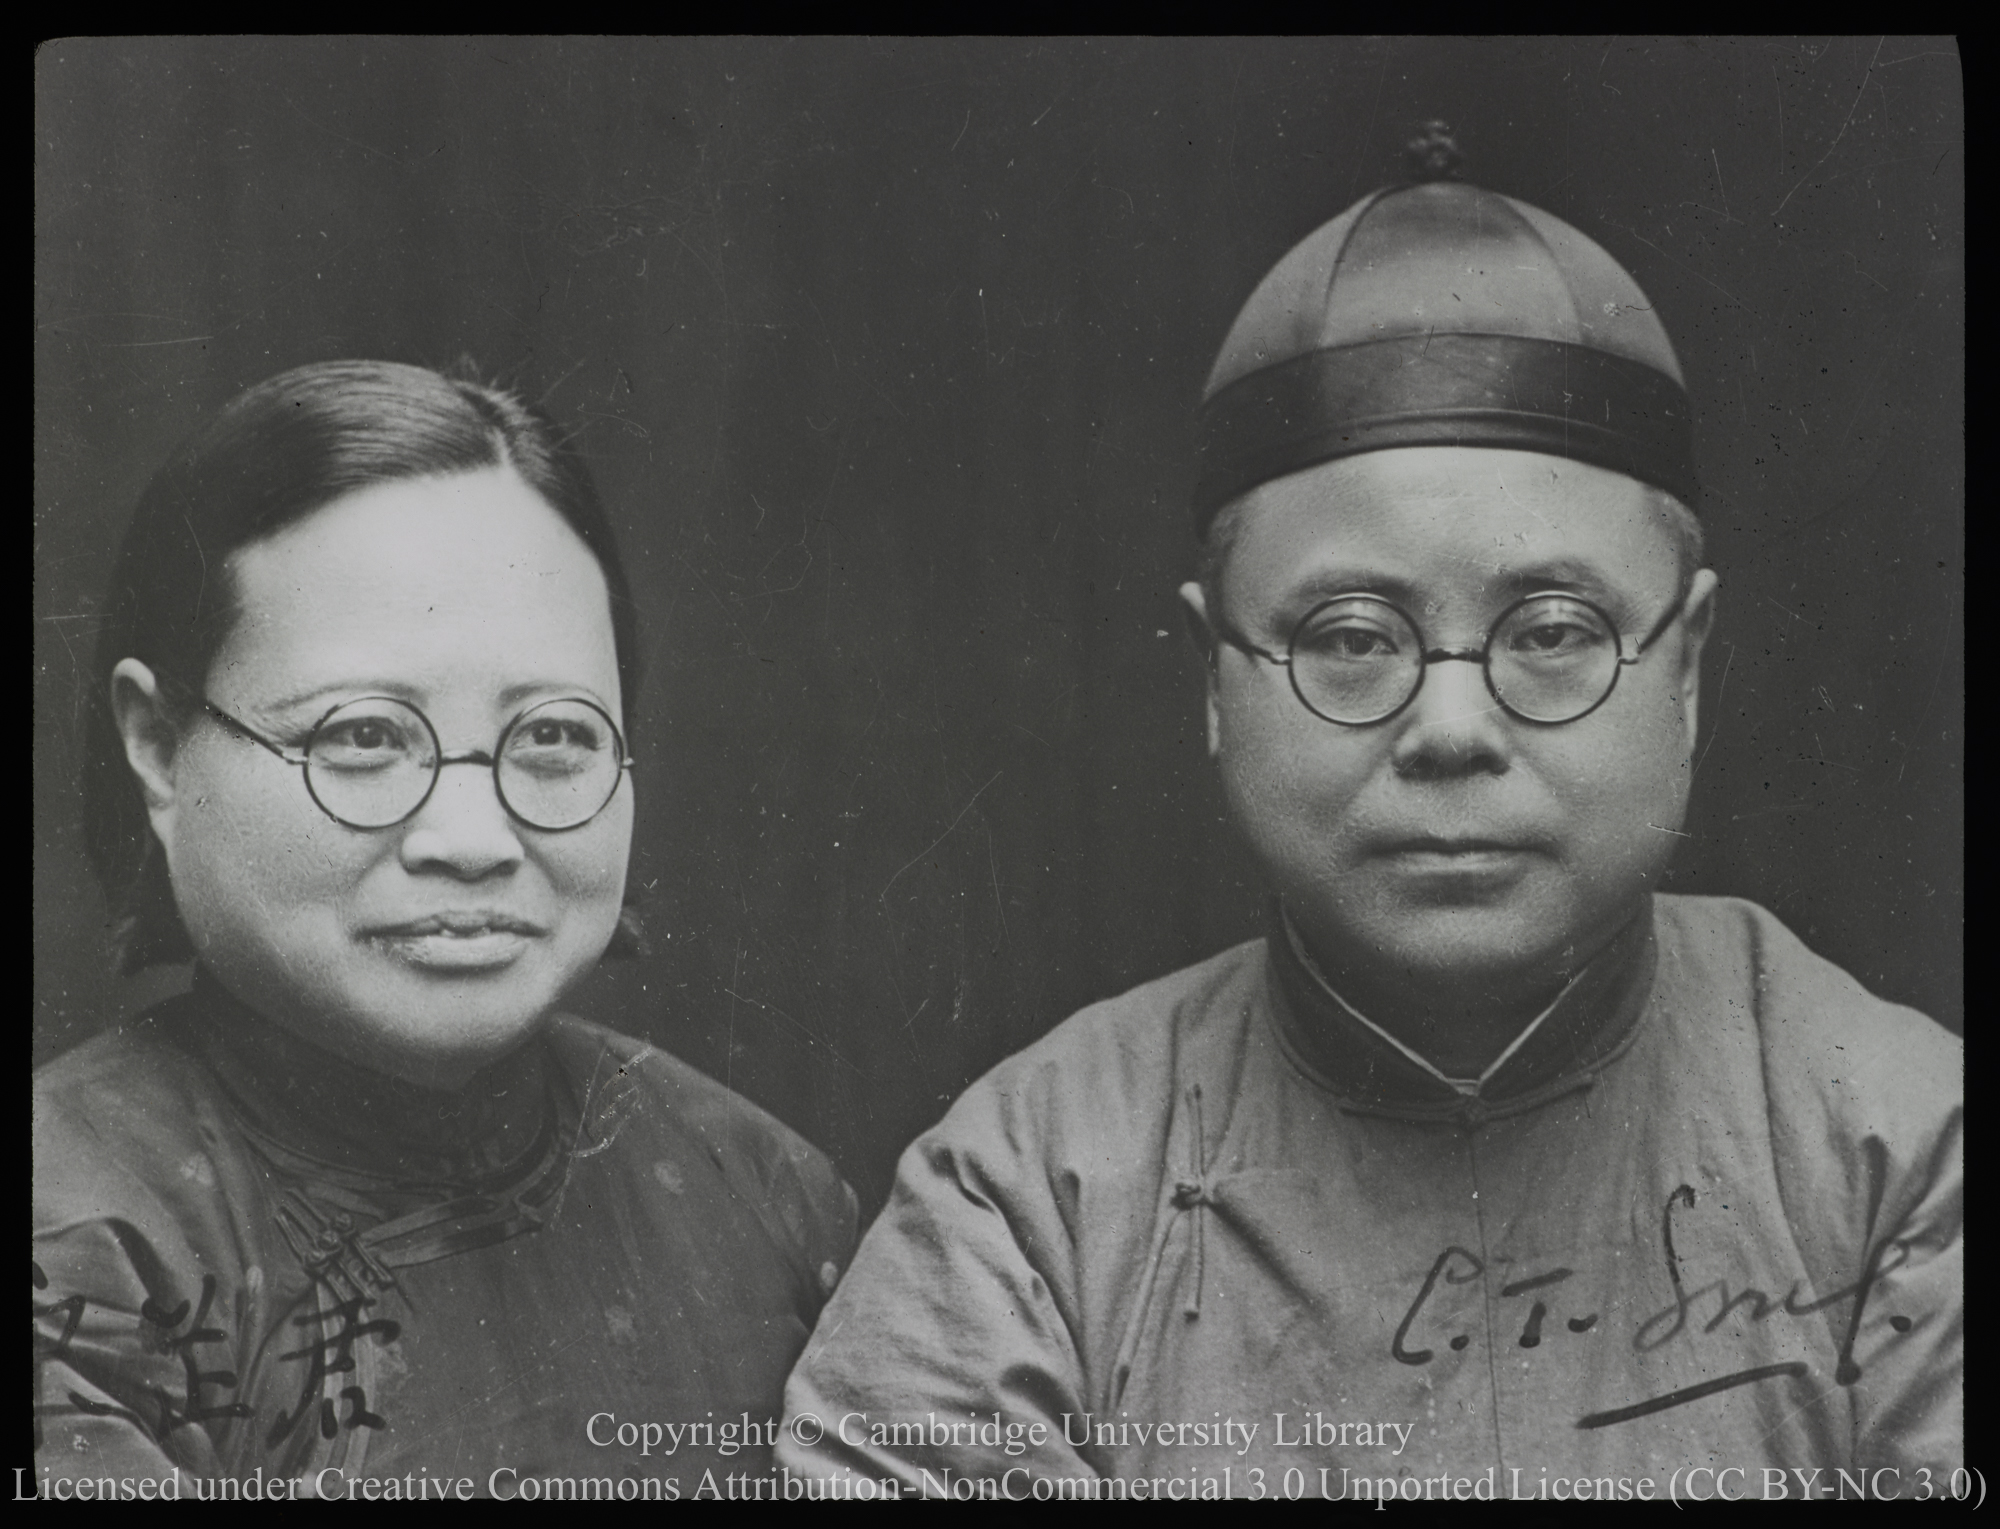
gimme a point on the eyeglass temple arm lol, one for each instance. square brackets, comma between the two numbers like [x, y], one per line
[1660, 628]
[1242, 644]
[242, 730]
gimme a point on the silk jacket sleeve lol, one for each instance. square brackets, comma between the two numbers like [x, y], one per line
[1867, 1116]
[1911, 1383]
[1021, 1246]
[132, 1368]
[963, 1292]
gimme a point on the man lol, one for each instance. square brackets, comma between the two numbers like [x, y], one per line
[1491, 1169]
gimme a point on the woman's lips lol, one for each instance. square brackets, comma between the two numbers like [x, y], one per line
[457, 941]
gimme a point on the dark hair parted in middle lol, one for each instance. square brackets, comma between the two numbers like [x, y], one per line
[277, 452]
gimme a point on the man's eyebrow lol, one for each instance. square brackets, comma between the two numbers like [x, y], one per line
[1325, 583]
[1570, 575]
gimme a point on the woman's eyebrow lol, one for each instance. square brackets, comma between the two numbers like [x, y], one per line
[335, 691]
[354, 689]
[514, 695]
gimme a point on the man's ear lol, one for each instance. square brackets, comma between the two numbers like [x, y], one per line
[146, 725]
[1194, 609]
[1697, 621]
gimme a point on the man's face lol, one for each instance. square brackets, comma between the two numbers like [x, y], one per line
[1455, 843]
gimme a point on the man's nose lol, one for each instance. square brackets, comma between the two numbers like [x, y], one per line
[463, 828]
[1454, 726]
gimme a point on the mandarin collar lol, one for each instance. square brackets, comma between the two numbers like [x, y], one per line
[304, 1099]
[1588, 1026]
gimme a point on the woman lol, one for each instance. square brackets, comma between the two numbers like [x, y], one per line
[365, 1198]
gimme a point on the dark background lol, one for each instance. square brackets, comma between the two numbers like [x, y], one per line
[886, 353]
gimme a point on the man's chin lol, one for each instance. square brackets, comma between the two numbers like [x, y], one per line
[1442, 948]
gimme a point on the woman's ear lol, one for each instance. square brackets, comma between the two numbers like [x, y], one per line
[151, 739]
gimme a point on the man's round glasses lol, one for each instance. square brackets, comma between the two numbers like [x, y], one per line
[372, 762]
[1549, 658]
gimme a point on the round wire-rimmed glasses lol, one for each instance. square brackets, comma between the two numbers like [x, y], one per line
[1549, 658]
[373, 762]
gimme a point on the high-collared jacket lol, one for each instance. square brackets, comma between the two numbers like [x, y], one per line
[254, 1260]
[1215, 1237]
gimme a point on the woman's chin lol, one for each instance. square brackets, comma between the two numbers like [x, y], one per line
[433, 1025]
[429, 1008]
[446, 1050]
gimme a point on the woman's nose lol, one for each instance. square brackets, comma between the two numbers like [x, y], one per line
[463, 828]
[1454, 726]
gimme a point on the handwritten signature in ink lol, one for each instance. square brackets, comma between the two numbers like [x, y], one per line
[1459, 1266]
[183, 1328]
[330, 1355]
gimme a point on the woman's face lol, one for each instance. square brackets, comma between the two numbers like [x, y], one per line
[431, 948]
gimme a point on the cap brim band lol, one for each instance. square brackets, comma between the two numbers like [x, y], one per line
[1445, 390]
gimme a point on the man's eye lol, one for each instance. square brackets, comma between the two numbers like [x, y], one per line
[1556, 639]
[1347, 641]
[1356, 643]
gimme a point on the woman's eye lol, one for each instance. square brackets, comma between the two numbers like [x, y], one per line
[558, 735]
[364, 735]
[557, 742]
[367, 743]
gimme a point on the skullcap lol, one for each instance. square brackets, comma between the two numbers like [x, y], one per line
[1442, 314]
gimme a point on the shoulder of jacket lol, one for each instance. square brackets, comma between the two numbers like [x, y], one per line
[137, 1161]
[1106, 1070]
[1823, 1036]
[602, 1061]
[128, 1082]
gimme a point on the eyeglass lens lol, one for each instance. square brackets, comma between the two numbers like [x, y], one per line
[1549, 659]
[372, 762]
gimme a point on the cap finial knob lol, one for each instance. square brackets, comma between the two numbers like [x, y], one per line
[1433, 154]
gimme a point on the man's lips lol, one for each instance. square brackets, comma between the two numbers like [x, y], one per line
[1450, 846]
[1455, 843]
[462, 924]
